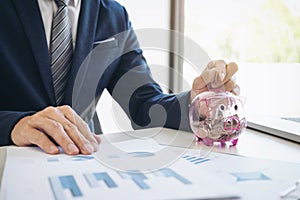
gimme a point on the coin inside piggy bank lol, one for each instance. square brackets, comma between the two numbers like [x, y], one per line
[217, 117]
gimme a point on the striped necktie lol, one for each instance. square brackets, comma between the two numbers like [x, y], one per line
[61, 49]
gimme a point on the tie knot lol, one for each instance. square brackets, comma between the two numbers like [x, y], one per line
[62, 2]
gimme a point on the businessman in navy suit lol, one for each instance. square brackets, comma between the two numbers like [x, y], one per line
[29, 113]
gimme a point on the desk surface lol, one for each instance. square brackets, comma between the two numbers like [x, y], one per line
[251, 143]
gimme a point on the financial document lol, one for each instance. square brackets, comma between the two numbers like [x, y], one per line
[31, 174]
[117, 171]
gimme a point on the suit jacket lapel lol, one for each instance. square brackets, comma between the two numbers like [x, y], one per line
[86, 31]
[31, 19]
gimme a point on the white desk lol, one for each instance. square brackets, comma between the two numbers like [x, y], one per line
[251, 143]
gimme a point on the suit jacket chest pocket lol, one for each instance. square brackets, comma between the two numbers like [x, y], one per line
[105, 52]
[107, 43]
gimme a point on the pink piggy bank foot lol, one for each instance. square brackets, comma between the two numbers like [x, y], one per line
[208, 141]
[234, 142]
[198, 139]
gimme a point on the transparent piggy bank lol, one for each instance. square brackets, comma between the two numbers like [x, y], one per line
[217, 117]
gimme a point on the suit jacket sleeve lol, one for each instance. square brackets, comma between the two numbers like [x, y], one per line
[133, 87]
[8, 119]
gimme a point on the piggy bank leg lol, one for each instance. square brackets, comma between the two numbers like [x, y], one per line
[198, 139]
[222, 144]
[208, 141]
[234, 141]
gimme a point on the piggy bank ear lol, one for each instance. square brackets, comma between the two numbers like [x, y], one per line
[243, 100]
[238, 104]
[239, 99]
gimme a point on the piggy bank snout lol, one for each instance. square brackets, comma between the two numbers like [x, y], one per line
[232, 123]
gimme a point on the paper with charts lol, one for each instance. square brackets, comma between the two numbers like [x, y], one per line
[31, 174]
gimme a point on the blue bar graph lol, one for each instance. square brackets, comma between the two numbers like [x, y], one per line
[141, 154]
[60, 183]
[94, 178]
[195, 159]
[70, 158]
[167, 172]
[52, 160]
[250, 176]
[191, 158]
[202, 161]
[82, 158]
[137, 177]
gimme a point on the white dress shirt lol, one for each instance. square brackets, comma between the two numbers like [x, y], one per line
[48, 9]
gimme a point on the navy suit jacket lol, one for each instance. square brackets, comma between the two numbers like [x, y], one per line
[25, 73]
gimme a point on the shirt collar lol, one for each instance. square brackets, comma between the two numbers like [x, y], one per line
[74, 2]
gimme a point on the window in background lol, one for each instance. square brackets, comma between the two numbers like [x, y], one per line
[151, 14]
[263, 37]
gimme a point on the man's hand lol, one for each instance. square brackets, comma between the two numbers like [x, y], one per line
[62, 125]
[217, 75]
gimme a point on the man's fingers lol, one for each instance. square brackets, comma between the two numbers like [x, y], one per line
[209, 78]
[40, 139]
[215, 73]
[70, 126]
[23, 135]
[199, 83]
[62, 125]
[81, 125]
[216, 76]
[231, 69]
[55, 130]
[220, 64]
[79, 139]
[229, 85]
